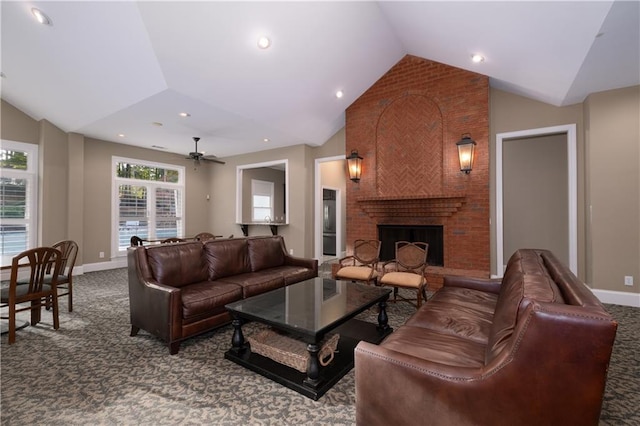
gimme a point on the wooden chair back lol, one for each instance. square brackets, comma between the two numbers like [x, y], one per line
[204, 236]
[172, 240]
[411, 257]
[366, 252]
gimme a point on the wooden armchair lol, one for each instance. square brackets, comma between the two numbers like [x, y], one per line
[407, 270]
[363, 264]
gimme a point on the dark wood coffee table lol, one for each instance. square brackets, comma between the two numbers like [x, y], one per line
[308, 311]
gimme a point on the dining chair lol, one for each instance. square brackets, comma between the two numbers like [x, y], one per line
[204, 236]
[69, 250]
[34, 289]
[363, 264]
[172, 240]
[407, 270]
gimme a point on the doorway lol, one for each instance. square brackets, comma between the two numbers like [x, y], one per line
[329, 218]
[330, 181]
[536, 193]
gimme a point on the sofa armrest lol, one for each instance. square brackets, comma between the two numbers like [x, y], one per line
[311, 264]
[153, 307]
[391, 387]
[481, 284]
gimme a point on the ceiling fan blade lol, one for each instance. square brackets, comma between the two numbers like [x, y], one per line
[213, 160]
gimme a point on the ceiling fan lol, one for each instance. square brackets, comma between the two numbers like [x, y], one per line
[196, 155]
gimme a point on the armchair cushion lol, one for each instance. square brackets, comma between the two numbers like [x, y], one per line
[402, 279]
[360, 273]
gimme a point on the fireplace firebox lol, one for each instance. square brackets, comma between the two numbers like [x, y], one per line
[431, 234]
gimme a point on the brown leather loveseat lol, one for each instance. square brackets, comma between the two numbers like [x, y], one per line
[177, 291]
[531, 349]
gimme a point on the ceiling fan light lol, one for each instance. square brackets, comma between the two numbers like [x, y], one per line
[41, 16]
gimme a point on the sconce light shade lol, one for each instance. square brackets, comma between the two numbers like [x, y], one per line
[354, 164]
[466, 148]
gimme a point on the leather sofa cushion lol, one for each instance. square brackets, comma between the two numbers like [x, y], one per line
[295, 274]
[177, 265]
[525, 279]
[266, 253]
[457, 311]
[207, 298]
[253, 283]
[436, 347]
[227, 257]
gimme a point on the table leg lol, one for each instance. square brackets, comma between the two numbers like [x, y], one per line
[383, 320]
[313, 368]
[237, 340]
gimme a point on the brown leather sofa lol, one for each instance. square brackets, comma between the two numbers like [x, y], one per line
[531, 349]
[177, 291]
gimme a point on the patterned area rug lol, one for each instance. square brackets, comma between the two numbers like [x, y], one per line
[91, 372]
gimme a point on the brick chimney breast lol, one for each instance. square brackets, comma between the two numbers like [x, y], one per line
[405, 127]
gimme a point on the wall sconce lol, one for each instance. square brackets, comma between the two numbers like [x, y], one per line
[354, 164]
[466, 147]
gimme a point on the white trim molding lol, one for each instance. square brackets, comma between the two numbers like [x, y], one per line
[618, 297]
[118, 262]
[572, 182]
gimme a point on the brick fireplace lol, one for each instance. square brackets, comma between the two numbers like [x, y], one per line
[406, 127]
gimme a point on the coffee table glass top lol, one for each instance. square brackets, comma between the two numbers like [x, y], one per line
[310, 307]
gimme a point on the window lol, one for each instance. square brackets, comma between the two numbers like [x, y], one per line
[18, 197]
[149, 201]
[261, 201]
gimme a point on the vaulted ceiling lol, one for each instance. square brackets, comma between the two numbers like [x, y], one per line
[105, 69]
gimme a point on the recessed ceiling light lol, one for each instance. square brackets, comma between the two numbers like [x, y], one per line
[477, 58]
[157, 123]
[121, 135]
[185, 114]
[265, 140]
[339, 94]
[264, 42]
[41, 16]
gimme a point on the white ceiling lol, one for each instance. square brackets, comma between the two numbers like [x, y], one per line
[105, 68]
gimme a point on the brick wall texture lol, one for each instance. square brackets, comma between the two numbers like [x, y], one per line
[406, 127]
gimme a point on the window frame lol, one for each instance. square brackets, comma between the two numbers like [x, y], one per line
[151, 186]
[255, 184]
[32, 175]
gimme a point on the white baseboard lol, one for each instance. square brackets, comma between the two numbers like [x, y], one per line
[618, 297]
[119, 262]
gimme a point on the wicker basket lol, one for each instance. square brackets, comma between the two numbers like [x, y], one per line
[289, 351]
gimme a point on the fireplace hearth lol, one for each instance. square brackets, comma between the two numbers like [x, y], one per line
[431, 234]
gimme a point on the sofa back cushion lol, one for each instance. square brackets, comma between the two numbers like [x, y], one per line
[227, 257]
[177, 265]
[526, 278]
[266, 252]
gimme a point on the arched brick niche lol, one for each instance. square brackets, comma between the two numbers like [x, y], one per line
[406, 127]
[409, 147]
